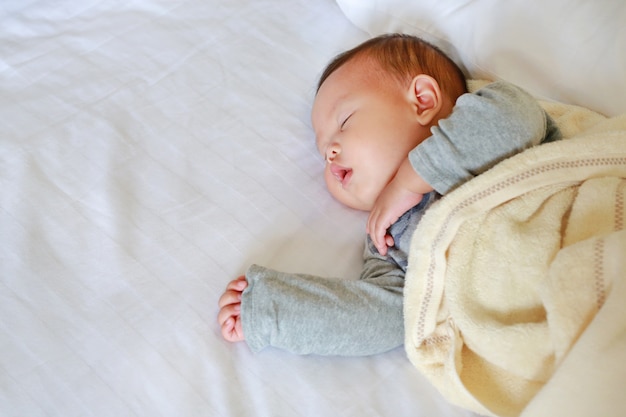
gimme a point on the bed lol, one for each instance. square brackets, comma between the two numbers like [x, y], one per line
[151, 150]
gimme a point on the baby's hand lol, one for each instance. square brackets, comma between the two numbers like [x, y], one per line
[391, 204]
[229, 316]
[404, 191]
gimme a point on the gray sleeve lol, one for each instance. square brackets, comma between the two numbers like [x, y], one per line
[305, 314]
[485, 127]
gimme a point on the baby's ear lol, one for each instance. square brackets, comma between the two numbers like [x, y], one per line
[426, 97]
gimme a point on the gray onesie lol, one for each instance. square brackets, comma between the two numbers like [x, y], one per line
[306, 314]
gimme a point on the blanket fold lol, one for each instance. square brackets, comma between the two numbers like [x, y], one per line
[510, 271]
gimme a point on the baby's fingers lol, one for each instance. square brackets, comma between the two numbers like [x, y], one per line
[389, 242]
[229, 316]
[233, 292]
[378, 233]
[232, 330]
[381, 244]
[229, 297]
[229, 319]
[228, 312]
[238, 284]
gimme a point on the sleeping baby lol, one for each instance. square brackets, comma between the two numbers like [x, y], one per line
[398, 129]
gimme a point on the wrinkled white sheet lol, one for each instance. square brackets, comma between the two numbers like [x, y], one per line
[149, 152]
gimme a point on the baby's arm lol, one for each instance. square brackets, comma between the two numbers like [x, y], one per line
[229, 316]
[486, 127]
[403, 192]
[306, 314]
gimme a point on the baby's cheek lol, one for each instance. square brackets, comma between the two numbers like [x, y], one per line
[333, 186]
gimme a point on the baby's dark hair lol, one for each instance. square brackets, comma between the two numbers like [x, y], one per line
[404, 57]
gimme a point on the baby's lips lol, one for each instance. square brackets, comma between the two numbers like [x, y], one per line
[341, 173]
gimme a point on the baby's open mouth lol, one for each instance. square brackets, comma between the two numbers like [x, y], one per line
[342, 174]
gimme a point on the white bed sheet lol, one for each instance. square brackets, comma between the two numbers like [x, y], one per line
[149, 152]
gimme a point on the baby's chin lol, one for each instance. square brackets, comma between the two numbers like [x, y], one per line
[354, 196]
[361, 206]
[353, 201]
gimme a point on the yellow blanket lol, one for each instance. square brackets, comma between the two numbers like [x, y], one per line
[515, 298]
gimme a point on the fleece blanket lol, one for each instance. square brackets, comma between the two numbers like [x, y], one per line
[515, 298]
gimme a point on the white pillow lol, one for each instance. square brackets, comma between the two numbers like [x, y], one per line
[572, 51]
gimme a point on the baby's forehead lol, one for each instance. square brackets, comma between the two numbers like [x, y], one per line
[337, 86]
[366, 63]
[357, 72]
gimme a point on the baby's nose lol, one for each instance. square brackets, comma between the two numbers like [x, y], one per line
[332, 151]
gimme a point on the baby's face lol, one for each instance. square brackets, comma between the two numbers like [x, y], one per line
[365, 127]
